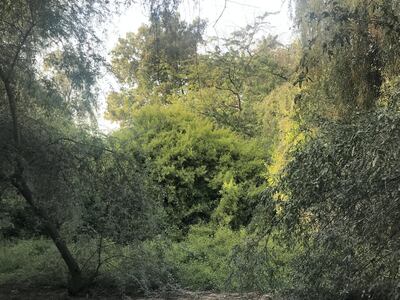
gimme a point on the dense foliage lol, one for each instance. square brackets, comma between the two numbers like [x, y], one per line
[205, 172]
[249, 166]
[335, 200]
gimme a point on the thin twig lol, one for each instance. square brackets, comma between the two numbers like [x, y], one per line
[221, 14]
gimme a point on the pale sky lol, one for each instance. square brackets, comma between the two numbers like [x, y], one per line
[237, 14]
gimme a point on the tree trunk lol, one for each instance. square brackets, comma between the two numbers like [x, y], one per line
[76, 281]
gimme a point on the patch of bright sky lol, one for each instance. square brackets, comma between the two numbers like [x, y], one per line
[235, 15]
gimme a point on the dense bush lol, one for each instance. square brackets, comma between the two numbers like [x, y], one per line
[343, 205]
[204, 172]
[203, 261]
[36, 262]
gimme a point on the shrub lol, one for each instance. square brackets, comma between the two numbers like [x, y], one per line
[31, 263]
[203, 260]
[140, 268]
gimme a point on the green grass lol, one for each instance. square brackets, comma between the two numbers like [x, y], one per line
[30, 263]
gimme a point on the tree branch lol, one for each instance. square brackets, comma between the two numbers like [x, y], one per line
[221, 14]
[19, 48]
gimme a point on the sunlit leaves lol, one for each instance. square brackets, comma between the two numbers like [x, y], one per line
[198, 166]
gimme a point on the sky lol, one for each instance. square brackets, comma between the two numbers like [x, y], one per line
[223, 18]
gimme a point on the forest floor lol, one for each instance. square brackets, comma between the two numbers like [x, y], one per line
[61, 294]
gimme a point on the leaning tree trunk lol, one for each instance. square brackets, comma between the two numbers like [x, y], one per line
[76, 282]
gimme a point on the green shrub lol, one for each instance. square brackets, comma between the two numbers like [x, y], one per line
[31, 262]
[210, 257]
[203, 260]
[264, 264]
[141, 268]
[343, 205]
[197, 165]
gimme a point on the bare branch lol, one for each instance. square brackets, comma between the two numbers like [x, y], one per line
[222, 13]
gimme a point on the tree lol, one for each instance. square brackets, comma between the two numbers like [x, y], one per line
[229, 83]
[349, 51]
[342, 189]
[153, 63]
[31, 146]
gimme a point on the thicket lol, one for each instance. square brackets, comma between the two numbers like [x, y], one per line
[253, 166]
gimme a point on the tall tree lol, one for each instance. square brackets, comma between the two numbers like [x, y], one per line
[153, 63]
[228, 84]
[29, 31]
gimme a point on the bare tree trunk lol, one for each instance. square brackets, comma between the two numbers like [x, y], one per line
[76, 282]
